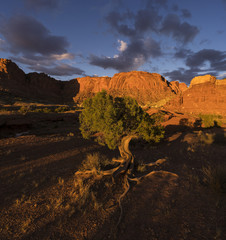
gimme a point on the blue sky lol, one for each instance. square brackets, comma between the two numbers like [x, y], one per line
[66, 39]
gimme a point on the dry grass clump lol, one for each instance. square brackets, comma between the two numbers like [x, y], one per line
[141, 166]
[89, 182]
[86, 195]
[95, 162]
[215, 177]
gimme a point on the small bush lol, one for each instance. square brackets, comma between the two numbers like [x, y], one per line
[62, 109]
[24, 109]
[211, 120]
[95, 162]
[46, 110]
[206, 138]
[210, 138]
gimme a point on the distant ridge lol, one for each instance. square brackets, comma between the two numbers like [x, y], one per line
[146, 88]
[36, 86]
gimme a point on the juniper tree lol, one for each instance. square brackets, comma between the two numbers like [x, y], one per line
[115, 122]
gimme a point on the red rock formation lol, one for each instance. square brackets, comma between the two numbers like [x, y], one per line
[203, 79]
[88, 86]
[177, 87]
[143, 86]
[37, 86]
[12, 78]
[205, 95]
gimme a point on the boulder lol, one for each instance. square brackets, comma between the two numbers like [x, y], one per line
[203, 79]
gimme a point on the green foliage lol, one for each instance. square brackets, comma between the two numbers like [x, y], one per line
[112, 118]
[24, 109]
[211, 120]
[62, 109]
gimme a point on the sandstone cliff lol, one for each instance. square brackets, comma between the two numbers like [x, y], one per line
[143, 86]
[205, 95]
[147, 88]
[177, 87]
[35, 86]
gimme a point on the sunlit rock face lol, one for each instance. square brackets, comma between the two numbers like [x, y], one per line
[203, 79]
[143, 86]
[206, 94]
[178, 87]
[88, 86]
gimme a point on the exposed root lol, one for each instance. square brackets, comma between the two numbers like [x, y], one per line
[127, 187]
[157, 163]
[118, 160]
[126, 167]
[87, 172]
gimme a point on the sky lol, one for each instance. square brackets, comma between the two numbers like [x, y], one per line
[66, 39]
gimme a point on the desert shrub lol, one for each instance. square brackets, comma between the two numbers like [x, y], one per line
[211, 120]
[114, 118]
[210, 138]
[206, 138]
[158, 117]
[62, 109]
[215, 177]
[24, 109]
[95, 162]
[38, 110]
[46, 110]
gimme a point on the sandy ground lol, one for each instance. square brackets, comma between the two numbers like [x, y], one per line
[40, 153]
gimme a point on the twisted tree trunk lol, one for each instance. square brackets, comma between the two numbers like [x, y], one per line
[125, 167]
[127, 164]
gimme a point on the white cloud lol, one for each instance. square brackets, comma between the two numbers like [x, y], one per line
[123, 46]
[63, 56]
[223, 75]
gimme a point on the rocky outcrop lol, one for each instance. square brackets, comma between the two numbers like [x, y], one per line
[88, 86]
[178, 87]
[35, 86]
[205, 95]
[12, 78]
[203, 79]
[143, 86]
